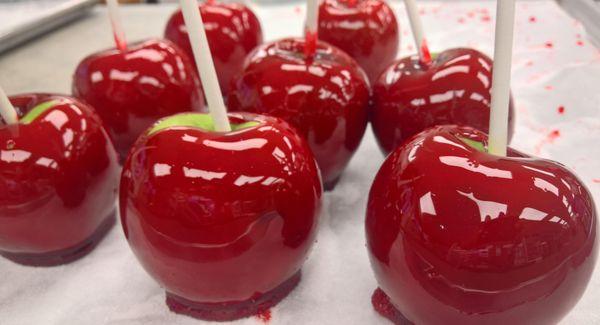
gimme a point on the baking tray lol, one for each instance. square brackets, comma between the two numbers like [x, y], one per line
[21, 21]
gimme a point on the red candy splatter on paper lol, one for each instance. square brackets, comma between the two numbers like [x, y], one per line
[297, 10]
[549, 87]
[580, 43]
[596, 180]
[461, 20]
[264, 315]
[549, 45]
[561, 109]
[550, 138]
[486, 18]
[532, 19]
[529, 63]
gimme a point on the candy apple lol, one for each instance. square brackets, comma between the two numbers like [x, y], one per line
[222, 220]
[365, 29]
[411, 96]
[58, 180]
[459, 236]
[132, 89]
[232, 30]
[325, 97]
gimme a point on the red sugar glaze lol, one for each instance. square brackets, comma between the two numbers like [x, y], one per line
[449, 247]
[425, 50]
[264, 315]
[58, 181]
[232, 30]
[258, 306]
[67, 255]
[326, 98]
[121, 44]
[310, 44]
[367, 30]
[381, 303]
[132, 89]
[409, 96]
[222, 220]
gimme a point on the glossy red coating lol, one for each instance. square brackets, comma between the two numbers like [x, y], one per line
[232, 29]
[411, 96]
[131, 90]
[58, 181]
[365, 29]
[221, 218]
[459, 236]
[325, 97]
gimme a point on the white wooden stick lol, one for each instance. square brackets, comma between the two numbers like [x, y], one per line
[205, 65]
[417, 29]
[115, 22]
[7, 111]
[505, 21]
[312, 16]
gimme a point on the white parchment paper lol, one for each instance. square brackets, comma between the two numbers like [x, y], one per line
[554, 66]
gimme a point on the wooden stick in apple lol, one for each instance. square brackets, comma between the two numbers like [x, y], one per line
[205, 65]
[311, 27]
[417, 29]
[7, 110]
[115, 22]
[505, 20]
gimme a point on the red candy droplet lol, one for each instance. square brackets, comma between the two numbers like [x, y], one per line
[549, 45]
[310, 46]
[532, 19]
[561, 110]
[264, 315]
[580, 43]
[425, 50]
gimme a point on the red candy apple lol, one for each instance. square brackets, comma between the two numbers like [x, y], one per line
[58, 180]
[365, 29]
[325, 97]
[232, 31]
[132, 89]
[223, 221]
[460, 236]
[411, 96]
